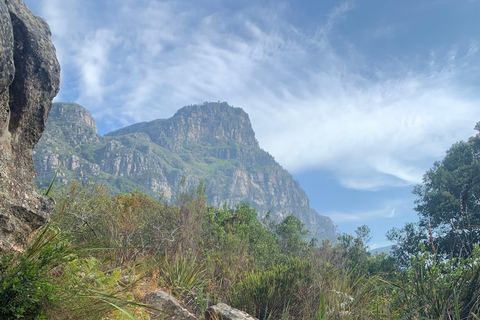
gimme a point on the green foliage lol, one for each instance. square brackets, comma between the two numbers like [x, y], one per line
[233, 242]
[27, 285]
[192, 207]
[271, 293]
[447, 205]
[201, 302]
[50, 281]
[133, 223]
[290, 234]
[346, 284]
[433, 289]
[183, 276]
[204, 254]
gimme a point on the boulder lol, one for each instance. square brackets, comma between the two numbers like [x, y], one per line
[29, 80]
[221, 311]
[168, 306]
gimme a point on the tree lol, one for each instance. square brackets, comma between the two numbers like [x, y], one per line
[291, 235]
[448, 204]
[354, 250]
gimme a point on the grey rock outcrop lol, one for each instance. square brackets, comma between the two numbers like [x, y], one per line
[213, 142]
[221, 311]
[29, 80]
[167, 306]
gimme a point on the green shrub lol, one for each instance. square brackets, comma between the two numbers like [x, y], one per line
[440, 289]
[183, 275]
[273, 293]
[26, 283]
[132, 221]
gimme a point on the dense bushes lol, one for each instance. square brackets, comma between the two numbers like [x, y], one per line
[103, 252]
[445, 289]
[26, 284]
[272, 293]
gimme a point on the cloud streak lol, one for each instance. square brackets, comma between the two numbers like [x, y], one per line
[385, 210]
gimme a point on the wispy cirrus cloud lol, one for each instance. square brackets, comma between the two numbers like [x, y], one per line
[312, 105]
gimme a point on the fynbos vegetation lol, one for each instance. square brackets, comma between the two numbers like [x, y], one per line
[103, 253]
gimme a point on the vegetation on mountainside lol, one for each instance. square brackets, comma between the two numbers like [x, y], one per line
[102, 253]
[213, 142]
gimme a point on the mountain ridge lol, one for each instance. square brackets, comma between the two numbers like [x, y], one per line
[213, 142]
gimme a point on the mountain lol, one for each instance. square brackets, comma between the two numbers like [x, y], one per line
[213, 142]
[385, 249]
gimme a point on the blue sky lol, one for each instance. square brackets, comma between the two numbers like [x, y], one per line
[356, 99]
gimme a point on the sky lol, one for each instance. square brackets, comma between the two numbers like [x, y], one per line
[356, 99]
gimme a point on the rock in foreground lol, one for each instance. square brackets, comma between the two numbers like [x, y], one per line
[222, 311]
[168, 307]
[29, 80]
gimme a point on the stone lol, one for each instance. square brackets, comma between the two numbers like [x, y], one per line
[29, 80]
[221, 311]
[168, 306]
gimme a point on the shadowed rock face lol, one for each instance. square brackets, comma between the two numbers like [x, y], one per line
[29, 80]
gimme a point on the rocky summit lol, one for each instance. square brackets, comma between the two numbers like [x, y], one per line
[212, 142]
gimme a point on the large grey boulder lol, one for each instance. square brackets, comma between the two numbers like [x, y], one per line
[221, 311]
[29, 80]
[168, 306]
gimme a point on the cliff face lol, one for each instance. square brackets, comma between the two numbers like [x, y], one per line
[208, 124]
[29, 79]
[212, 142]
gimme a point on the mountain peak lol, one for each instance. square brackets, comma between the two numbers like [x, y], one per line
[210, 110]
[71, 121]
[73, 114]
[210, 123]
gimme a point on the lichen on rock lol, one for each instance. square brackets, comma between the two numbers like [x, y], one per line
[29, 80]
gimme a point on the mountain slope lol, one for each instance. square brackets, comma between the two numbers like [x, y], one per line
[213, 142]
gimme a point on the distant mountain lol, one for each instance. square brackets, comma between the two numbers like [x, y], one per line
[213, 142]
[386, 249]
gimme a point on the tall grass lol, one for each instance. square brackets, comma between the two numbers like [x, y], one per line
[271, 293]
[103, 253]
[440, 289]
[184, 276]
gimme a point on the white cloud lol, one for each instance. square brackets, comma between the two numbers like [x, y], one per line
[361, 216]
[385, 210]
[387, 129]
[93, 62]
[311, 107]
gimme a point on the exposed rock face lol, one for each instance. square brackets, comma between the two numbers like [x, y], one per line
[213, 142]
[168, 306]
[222, 311]
[212, 123]
[29, 80]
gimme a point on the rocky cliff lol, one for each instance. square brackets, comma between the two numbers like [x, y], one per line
[213, 142]
[29, 79]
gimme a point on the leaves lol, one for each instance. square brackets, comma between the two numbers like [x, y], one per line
[448, 206]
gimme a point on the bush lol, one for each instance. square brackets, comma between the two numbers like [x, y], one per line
[27, 286]
[441, 289]
[183, 276]
[273, 293]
